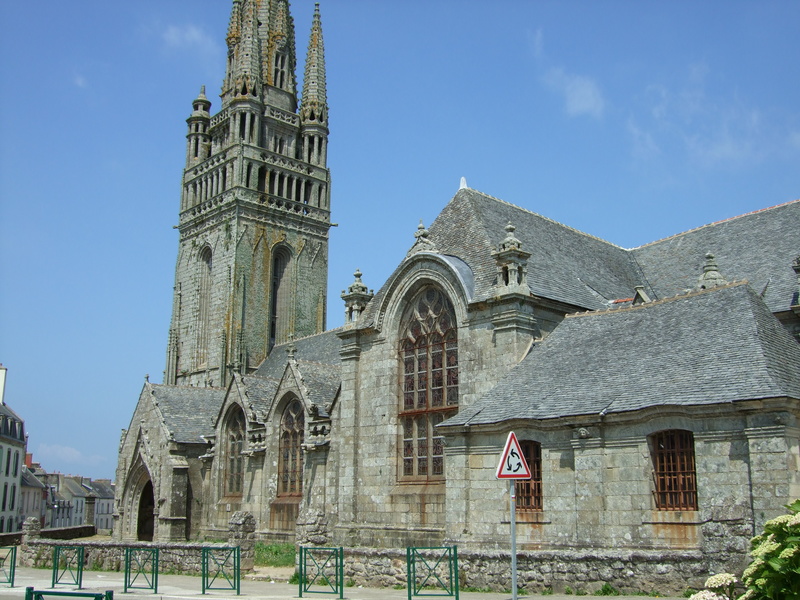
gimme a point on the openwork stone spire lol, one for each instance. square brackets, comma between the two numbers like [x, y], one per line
[314, 104]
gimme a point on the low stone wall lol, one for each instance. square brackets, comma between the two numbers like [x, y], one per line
[69, 533]
[110, 556]
[581, 570]
[182, 557]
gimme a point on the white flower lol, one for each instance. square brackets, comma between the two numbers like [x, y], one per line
[706, 595]
[721, 580]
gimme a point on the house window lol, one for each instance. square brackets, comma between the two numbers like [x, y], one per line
[673, 470]
[529, 491]
[234, 445]
[429, 355]
[290, 468]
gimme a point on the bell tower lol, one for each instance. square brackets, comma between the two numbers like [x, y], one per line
[254, 216]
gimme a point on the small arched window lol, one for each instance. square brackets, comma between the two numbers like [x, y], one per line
[290, 466]
[235, 432]
[429, 368]
[674, 473]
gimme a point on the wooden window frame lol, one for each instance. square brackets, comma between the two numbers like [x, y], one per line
[529, 491]
[674, 472]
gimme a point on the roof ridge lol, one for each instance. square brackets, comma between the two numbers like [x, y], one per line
[712, 224]
[589, 235]
[689, 294]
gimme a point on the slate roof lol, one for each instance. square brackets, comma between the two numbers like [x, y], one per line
[188, 412]
[758, 246]
[318, 362]
[30, 480]
[715, 346]
[102, 489]
[575, 268]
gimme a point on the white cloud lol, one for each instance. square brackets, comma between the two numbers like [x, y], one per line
[190, 36]
[582, 96]
[80, 81]
[644, 145]
[536, 43]
[52, 456]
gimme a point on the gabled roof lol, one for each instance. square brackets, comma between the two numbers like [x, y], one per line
[759, 246]
[30, 480]
[320, 348]
[188, 412]
[581, 270]
[102, 489]
[716, 346]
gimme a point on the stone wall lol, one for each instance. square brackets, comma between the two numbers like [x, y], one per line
[185, 557]
[581, 570]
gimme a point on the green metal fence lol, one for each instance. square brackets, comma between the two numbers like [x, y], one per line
[432, 571]
[68, 565]
[31, 594]
[141, 569]
[8, 564]
[222, 569]
[323, 570]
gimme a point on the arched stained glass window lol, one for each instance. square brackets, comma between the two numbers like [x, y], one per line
[234, 445]
[429, 355]
[290, 467]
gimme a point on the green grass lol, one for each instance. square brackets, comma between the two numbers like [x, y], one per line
[275, 555]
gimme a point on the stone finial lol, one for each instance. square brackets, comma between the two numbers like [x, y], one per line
[463, 185]
[356, 298]
[796, 298]
[423, 244]
[510, 242]
[711, 276]
[291, 348]
[512, 264]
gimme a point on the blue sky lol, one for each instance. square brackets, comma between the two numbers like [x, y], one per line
[631, 121]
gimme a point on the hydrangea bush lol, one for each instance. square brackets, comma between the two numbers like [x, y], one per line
[774, 573]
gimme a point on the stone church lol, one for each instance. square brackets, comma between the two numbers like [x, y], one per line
[655, 391]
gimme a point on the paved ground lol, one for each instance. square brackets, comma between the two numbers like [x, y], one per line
[177, 587]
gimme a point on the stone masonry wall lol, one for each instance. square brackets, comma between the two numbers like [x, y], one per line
[662, 572]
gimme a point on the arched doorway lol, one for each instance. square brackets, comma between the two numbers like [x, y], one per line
[144, 526]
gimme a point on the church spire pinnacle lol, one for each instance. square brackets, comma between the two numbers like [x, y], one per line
[280, 59]
[243, 77]
[314, 103]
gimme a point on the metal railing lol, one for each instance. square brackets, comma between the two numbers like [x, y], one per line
[68, 565]
[141, 569]
[222, 565]
[432, 571]
[31, 594]
[8, 564]
[323, 568]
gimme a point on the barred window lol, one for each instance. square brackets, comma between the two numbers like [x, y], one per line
[234, 445]
[529, 491]
[674, 470]
[290, 468]
[429, 355]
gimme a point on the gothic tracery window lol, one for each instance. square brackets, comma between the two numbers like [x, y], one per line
[429, 355]
[290, 467]
[674, 473]
[234, 445]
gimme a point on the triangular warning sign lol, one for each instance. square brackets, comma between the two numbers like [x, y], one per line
[512, 462]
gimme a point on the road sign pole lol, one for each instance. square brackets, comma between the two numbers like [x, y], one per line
[512, 492]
